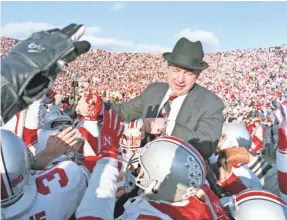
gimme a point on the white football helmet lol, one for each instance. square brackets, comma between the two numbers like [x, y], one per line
[235, 135]
[55, 119]
[52, 123]
[167, 169]
[257, 204]
[130, 142]
[16, 180]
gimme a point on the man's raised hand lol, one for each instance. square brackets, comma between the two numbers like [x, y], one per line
[153, 126]
[57, 144]
[61, 141]
[90, 106]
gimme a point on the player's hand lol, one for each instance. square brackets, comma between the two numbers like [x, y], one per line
[233, 156]
[153, 126]
[57, 144]
[111, 133]
[90, 106]
[237, 155]
[61, 141]
[96, 105]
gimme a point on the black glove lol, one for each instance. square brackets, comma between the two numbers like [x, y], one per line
[29, 71]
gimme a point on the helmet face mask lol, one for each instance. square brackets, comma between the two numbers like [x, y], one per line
[136, 174]
[55, 119]
[130, 142]
[167, 169]
[130, 145]
[60, 124]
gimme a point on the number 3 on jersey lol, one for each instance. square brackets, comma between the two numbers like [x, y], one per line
[63, 180]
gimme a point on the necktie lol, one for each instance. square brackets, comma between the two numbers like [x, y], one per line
[164, 113]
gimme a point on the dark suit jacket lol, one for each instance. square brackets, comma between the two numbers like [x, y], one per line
[199, 120]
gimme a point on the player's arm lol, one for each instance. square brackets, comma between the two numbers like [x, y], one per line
[130, 110]
[32, 123]
[100, 197]
[281, 160]
[89, 127]
[90, 107]
[57, 144]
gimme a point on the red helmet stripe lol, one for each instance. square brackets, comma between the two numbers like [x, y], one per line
[244, 196]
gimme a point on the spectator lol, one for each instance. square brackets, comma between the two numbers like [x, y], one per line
[247, 80]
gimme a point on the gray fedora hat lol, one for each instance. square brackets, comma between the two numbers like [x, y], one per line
[187, 54]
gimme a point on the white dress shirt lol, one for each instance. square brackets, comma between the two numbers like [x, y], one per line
[174, 110]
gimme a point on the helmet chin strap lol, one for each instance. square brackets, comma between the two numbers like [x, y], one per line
[149, 189]
[154, 186]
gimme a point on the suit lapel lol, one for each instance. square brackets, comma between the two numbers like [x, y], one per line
[189, 103]
[156, 100]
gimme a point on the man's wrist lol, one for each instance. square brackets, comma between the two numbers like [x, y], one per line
[108, 160]
[109, 151]
[42, 159]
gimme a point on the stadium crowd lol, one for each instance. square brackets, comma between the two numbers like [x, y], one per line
[68, 143]
[251, 82]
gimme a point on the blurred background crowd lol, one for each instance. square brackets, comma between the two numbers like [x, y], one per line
[251, 82]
